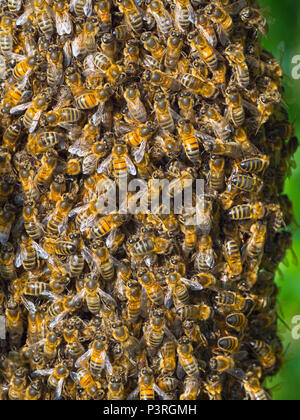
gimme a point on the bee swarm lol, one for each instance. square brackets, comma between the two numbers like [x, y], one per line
[140, 306]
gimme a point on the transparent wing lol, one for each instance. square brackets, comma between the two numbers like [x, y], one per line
[78, 210]
[40, 251]
[20, 108]
[18, 258]
[140, 152]
[67, 51]
[169, 299]
[192, 284]
[58, 390]
[108, 366]
[29, 305]
[81, 147]
[35, 121]
[88, 8]
[104, 165]
[89, 164]
[134, 394]
[130, 166]
[107, 297]
[62, 227]
[87, 255]
[76, 45]
[84, 357]
[24, 17]
[42, 372]
[97, 117]
[58, 319]
[88, 222]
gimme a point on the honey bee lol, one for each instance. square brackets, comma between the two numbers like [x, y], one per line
[34, 391]
[103, 261]
[7, 258]
[192, 331]
[7, 217]
[235, 109]
[63, 21]
[55, 74]
[196, 85]
[186, 105]
[134, 297]
[103, 10]
[43, 17]
[255, 245]
[85, 42]
[56, 378]
[236, 321]
[57, 219]
[194, 312]
[31, 224]
[147, 387]
[82, 8]
[6, 35]
[253, 18]
[205, 256]
[168, 359]
[18, 385]
[186, 132]
[135, 106]
[217, 122]
[138, 138]
[116, 391]
[240, 136]
[229, 344]
[235, 55]
[28, 252]
[184, 14]
[199, 43]
[92, 294]
[213, 388]
[163, 113]
[222, 363]
[217, 173]
[45, 173]
[34, 110]
[187, 358]
[131, 55]
[129, 344]
[173, 52]
[14, 322]
[152, 287]
[152, 44]
[264, 353]
[149, 245]
[206, 28]
[50, 345]
[132, 14]
[162, 17]
[155, 330]
[191, 389]
[11, 135]
[119, 160]
[162, 80]
[233, 258]
[97, 356]
[247, 211]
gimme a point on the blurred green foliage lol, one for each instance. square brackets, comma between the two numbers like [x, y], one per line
[284, 32]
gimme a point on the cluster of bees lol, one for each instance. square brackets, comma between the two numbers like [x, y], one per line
[145, 306]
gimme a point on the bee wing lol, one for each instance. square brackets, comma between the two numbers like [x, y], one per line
[97, 117]
[107, 297]
[89, 164]
[108, 366]
[35, 121]
[170, 335]
[88, 222]
[84, 357]
[50, 295]
[63, 24]
[76, 45]
[62, 227]
[110, 240]
[192, 284]
[58, 390]
[169, 299]
[19, 108]
[18, 258]
[24, 17]
[104, 165]
[88, 8]
[160, 393]
[80, 148]
[130, 166]
[140, 152]
[2, 67]
[78, 210]
[67, 52]
[58, 319]
[87, 255]
[40, 251]
[42, 372]
[30, 306]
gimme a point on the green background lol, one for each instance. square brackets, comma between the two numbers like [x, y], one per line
[284, 25]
